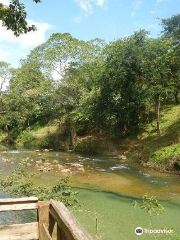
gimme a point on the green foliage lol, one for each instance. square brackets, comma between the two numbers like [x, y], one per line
[151, 205]
[110, 88]
[26, 138]
[14, 17]
[53, 140]
[19, 184]
[86, 146]
[166, 153]
[171, 27]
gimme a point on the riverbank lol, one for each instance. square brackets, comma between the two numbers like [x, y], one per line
[157, 152]
[95, 172]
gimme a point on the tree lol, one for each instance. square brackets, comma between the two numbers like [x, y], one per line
[150, 205]
[157, 72]
[62, 52]
[5, 74]
[171, 27]
[174, 66]
[79, 92]
[171, 30]
[121, 106]
[74, 62]
[30, 99]
[14, 17]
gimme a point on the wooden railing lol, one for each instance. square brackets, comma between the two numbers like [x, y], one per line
[54, 221]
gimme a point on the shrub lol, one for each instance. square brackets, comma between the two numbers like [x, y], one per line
[26, 139]
[86, 146]
[19, 184]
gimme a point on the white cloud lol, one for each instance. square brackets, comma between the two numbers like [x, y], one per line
[100, 2]
[34, 38]
[30, 39]
[133, 14]
[87, 5]
[5, 2]
[14, 48]
[137, 4]
[77, 19]
[153, 12]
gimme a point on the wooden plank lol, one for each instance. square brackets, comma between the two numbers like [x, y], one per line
[52, 227]
[18, 207]
[18, 204]
[28, 231]
[18, 200]
[58, 233]
[43, 219]
[45, 233]
[63, 236]
[67, 223]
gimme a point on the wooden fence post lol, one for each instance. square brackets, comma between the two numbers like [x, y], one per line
[43, 220]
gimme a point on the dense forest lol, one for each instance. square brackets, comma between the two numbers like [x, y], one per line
[91, 86]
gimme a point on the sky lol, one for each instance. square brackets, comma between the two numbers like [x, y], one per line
[85, 20]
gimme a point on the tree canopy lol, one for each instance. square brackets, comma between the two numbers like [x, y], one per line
[14, 17]
[112, 88]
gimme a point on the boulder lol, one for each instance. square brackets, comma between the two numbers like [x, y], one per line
[60, 167]
[55, 161]
[66, 171]
[42, 169]
[47, 164]
[39, 162]
[81, 169]
[122, 157]
[46, 150]
[74, 164]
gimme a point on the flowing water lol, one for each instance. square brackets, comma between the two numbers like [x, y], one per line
[112, 184]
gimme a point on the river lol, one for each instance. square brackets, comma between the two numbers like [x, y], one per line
[106, 187]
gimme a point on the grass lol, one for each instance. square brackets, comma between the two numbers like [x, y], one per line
[49, 136]
[166, 152]
[152, 148]
[44, 131]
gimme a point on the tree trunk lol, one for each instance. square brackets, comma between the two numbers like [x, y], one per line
[7, 130]
[166, 96]
[176, 93]
[73, 134]
[157, 110]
